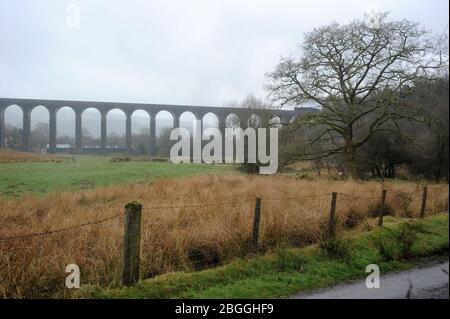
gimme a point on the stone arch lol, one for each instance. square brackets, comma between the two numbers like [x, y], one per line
[232, 120]
[164, 122]
[13, 119]
[210, 119]
[65, 125]
[187, 120]
[275, 121]
[90, 127]
[164, 119]
[115, 128]
[140, 131]
[40, 127]
[254, 120]
[40, 107]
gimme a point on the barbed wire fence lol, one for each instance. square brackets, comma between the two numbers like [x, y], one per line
[133, 217]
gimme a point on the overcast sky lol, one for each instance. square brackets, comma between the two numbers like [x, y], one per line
[178, 52]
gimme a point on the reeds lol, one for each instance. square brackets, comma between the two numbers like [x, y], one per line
[294, 212]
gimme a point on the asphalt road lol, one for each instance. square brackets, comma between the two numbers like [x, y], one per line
[426, 282]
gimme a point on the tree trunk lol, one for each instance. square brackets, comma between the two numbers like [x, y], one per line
[351, 160]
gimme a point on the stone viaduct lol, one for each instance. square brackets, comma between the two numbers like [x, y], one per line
[27, 105]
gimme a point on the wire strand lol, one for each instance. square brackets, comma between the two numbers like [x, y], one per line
[358, 197]
[50, 232]
[294, 198]
[197, 206]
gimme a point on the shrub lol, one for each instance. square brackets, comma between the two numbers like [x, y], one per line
[386, 248]
[337, 248]
[406, 239]
[120, 159]
[399, 244]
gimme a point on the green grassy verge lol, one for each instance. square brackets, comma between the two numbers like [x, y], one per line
[88, 172]
[289, 271]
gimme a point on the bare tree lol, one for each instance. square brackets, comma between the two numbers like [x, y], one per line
[40, 135]
[251, 112]
[360, 75]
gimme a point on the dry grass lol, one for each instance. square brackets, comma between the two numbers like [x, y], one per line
[8, 156]
[181, 238]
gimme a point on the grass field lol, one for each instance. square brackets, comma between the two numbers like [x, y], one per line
[9, 156]
[189, 222]
[290, 271]
[40, 175]
[179, 232]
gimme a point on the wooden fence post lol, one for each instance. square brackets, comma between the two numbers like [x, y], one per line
[381, 208]
[424, 202]
[131, 245]
[332, 222]
[256, 222]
